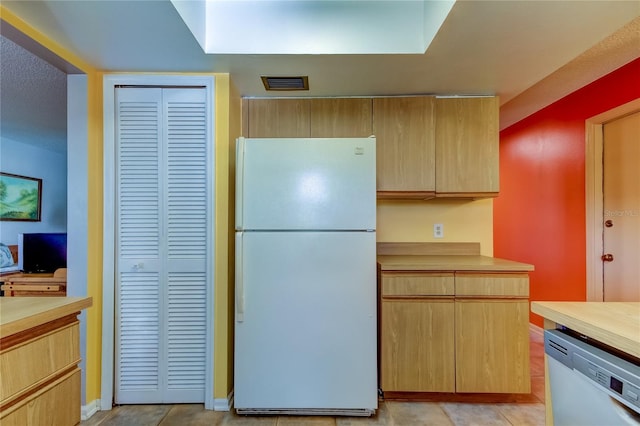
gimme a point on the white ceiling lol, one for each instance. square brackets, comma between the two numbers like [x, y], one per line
[530, 53]
[313, 26]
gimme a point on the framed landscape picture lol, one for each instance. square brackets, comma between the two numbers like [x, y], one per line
[20, 197]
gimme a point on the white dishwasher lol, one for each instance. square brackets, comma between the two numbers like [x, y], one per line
[590, 383]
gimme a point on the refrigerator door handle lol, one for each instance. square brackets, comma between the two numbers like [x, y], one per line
[239, 181]
[239, 279]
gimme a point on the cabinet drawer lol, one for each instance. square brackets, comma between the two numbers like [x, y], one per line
[413, 284]
[492, 285]
[36, 360]
[58, 403]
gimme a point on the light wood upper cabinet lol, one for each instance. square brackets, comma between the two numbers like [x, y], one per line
[426, 147]
[340, 117]
[467, 147]
[278, 118]
[442, 147]
[405, 138]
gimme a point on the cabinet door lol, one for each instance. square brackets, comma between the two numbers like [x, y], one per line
[492, 345]
[404, 129]
[467, 147]
[278, 118]
[340, 118]
[417, 346]
[417, 332]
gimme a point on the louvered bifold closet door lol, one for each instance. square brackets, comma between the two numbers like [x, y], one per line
[161, 245]
[186, 243]
[138, 270]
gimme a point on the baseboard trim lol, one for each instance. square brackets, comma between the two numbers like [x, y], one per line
[219, 404]
[537, 330]
[86, 411]
[223, 404]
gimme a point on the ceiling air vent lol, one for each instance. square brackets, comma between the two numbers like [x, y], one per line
[286, 83]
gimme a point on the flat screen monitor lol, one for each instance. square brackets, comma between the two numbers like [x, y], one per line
[42, 252]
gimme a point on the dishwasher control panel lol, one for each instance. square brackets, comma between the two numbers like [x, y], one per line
[620, 377]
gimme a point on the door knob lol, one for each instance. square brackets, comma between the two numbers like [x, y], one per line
[608, 223]
[607, 257]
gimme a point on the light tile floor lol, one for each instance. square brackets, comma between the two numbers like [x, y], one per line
[523, 411]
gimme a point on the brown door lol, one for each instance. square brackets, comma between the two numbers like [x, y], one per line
[621, 215]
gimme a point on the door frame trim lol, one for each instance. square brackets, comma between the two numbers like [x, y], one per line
[593, 195]
[109, 225]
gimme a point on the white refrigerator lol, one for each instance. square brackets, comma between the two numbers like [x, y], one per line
[305, 311]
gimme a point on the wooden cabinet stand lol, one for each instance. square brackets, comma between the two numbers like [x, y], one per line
[36, 284]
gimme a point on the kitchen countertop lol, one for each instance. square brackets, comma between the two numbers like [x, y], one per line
[22, 313]
[449, 263]
[616, 324]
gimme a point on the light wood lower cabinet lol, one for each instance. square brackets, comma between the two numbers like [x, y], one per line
[416, 339]
[492, 346]
[426, 364]
[454, 332]
[40, 375]
[492, 332]
[58, 403]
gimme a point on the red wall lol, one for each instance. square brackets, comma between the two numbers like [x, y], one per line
[539, 217]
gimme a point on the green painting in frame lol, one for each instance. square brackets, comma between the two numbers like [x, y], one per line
[20, 197]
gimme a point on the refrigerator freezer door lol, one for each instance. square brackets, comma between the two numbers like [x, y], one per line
[307, 339]
[306, 184]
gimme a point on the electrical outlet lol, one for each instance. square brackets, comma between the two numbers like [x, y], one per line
[438, 230]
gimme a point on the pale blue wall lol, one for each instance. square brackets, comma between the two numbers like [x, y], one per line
[20, 158]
